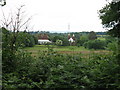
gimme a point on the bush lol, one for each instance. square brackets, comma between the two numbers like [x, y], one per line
[92, 35]
[59, 42]
[95, 44]
[11, 55]
[104, 72]
[15, 69]
[82, 40]
[53, 70]
[25, 40]
[113, 46]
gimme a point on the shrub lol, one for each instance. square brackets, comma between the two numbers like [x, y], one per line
[25, 40]
[104, 72]
[95, 44]
[92, 35]
[15, 70]
[53, 70]
[82, 40]
[113, 46]
[59, 42]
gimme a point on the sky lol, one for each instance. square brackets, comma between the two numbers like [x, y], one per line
[57, 15]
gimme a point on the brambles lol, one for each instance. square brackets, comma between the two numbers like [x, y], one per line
[53, 70]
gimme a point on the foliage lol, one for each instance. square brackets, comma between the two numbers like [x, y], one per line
[82, 40]
[110, 17]
[35, 39]
[15, 76]
[95, 44]
[92, 35]
[64, 39]
[53, 70]
[10, 50]
[59, 42]
[110, 39]
[22, 40]
[103, 72]
[113, 46]
[3, 2]
[55, 38]
[25, 40]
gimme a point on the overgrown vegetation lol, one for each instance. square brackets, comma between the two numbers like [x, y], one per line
[95, 44]
[54, 70]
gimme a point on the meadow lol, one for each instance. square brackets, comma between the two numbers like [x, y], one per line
[63, 50]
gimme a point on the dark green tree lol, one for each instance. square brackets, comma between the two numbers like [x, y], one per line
[95, 44]
[92, 35]
[110, 16]
[82, 40]
[25, 39]
[55, 38]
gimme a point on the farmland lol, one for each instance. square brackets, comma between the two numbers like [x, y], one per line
[63, 50]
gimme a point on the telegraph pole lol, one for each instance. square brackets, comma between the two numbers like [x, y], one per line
[69, 27]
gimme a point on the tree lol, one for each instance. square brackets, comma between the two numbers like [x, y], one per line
[14, 24]
[95, 44]
[82, 40]
[59, 42]
[10, 31]
[55, 38]
[65, 41]
[110, 16]
[2, 2]
[92, 35]
[25, 39]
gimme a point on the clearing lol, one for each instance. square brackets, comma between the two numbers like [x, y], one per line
[63, 50]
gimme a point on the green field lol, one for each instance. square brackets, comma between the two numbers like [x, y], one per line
[101, 38]
[55, 48]
[62, 49]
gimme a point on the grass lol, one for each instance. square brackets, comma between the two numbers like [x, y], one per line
[55, 48]
[101, 38]
[63, 50]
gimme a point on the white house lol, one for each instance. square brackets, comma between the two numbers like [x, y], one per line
[42, 41]
[71, 39]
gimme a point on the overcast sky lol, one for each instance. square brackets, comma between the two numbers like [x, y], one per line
[55, 15]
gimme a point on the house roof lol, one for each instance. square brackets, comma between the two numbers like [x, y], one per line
[43, 40]
[43, 36]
